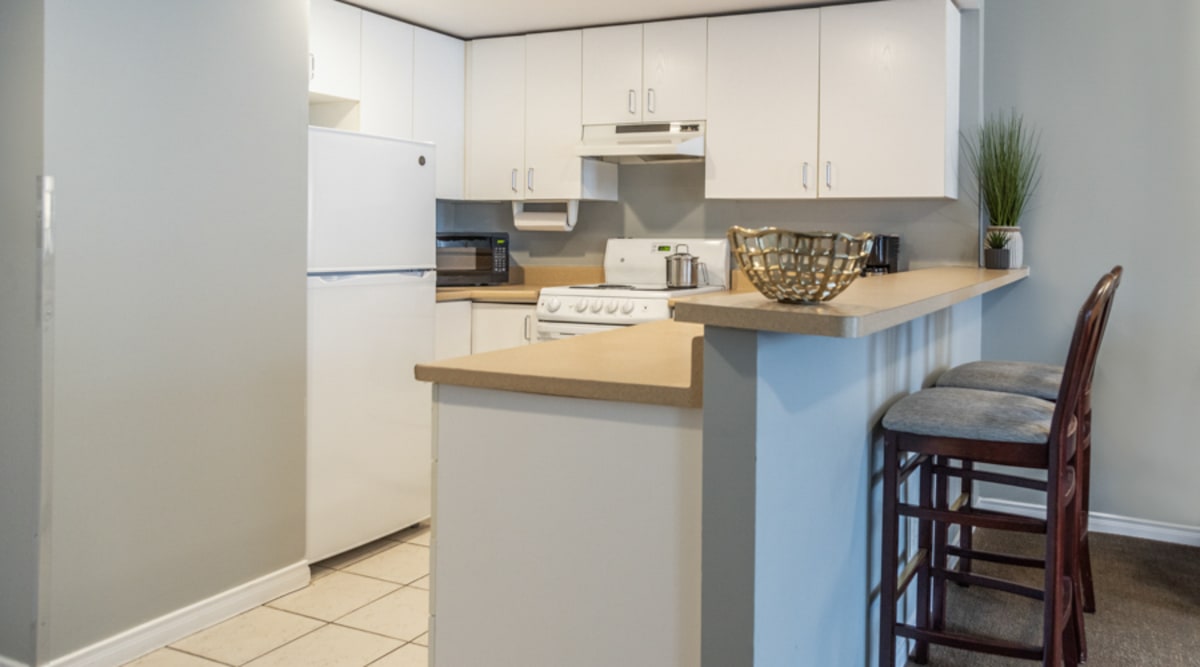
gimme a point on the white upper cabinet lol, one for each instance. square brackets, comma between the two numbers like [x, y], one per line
[439, 104]
[523, 121]
[673, 70]
[612, 75]
[845, 101]
[889, 99]
[761, 139]
[636, 73]
[334, 50]
[552, 115]
[387, 77]
[496, 122]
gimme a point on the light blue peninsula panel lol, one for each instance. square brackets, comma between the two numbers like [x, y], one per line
[792, 450]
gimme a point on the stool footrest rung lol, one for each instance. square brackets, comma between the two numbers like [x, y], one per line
[981, 644]
[990, 582]
[1003, 559]
[974, 517]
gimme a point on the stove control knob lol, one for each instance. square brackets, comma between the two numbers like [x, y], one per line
[581, 305]
[597, 305]
[553, 305]
[611, 306]
[627, 307]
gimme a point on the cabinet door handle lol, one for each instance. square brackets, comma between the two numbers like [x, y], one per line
[632, 101]
[514, 179]
[828, 175]
[312, 66]
[650, 100]
[529, 180]
[804, 176]
[529, 328]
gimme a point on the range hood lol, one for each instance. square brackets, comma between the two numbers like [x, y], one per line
[644, 142]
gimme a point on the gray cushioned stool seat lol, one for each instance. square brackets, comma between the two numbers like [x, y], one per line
[1014, 377]
[975, 414]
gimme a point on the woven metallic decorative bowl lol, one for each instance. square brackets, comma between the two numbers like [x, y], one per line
[799, 267]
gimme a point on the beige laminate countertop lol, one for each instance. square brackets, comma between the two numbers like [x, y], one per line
[868, 305]
[660, 363]
[530, 281]
[492, 293]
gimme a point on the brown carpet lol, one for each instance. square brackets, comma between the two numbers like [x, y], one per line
[1147, 599]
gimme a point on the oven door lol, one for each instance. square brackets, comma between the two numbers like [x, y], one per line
[559, 330]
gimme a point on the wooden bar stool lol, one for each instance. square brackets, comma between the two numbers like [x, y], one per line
[926, 430]
[1040, 381]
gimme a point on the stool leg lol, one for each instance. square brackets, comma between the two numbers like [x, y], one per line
[1084, 460]
[940, 541]
[888, 547]
[965, 536]
[924, 542]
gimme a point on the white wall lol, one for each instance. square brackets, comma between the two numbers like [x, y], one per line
[1113, 87]
[20, 340]
[177, 136]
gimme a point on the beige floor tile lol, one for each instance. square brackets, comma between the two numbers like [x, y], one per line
[422, 640]
[331, 646]
[171, 658]
[402, 563]
[245, 637]
[334, 596]
[422, 583]
[409, 655]
[403, 615]
[347, 558]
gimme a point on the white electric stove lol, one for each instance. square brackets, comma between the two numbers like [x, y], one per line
[634, 288]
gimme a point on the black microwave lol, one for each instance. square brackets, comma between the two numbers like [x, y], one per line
[470, 258]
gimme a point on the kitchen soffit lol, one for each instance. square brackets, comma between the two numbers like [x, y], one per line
[470, 19]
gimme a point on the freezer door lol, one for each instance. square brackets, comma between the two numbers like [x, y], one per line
[371, 203]
[369, 420]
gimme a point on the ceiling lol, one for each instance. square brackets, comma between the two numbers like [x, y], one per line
[484, 18]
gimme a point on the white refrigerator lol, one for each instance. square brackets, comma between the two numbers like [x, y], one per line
[371, 294]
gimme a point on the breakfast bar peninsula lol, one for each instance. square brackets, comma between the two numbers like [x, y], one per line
[678, 494]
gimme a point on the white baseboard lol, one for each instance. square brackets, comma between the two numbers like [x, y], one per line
[160, 632]
[1106, 523]
[9, 662]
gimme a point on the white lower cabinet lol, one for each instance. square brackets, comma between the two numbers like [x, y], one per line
[497, 326]
[452, 328]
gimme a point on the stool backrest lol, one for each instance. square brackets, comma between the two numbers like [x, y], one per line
[1081, 363]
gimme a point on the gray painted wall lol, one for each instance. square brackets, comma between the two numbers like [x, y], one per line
[177, 135]
[20, 340]
[1113, 86]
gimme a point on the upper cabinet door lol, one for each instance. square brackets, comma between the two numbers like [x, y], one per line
[439, 104]
[761, 138]
[673, 70]
[552, 115]
[612, 75]
[387, 77]
[334, 49]
[496, 119]
[889, 99]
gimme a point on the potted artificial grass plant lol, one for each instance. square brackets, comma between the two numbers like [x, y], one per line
[1005, 160]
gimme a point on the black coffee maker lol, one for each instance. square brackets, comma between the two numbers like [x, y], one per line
[884, 257]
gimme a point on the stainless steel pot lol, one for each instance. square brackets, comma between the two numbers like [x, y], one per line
[684, 269]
